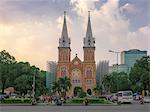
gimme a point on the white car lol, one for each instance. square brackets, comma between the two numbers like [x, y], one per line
[125, 96]
[147, 99]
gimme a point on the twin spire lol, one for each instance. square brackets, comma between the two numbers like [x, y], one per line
[64, 41]
[89, 40]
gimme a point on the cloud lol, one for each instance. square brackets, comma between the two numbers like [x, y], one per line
[31, 33]
[60, 21]
[139, 39]
[82, 6]
[130, 8]
[32, 41]
[110, 28]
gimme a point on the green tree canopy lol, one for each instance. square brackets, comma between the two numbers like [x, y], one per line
[116, 81]
[140, 74]
[20, 75]
[6, 63]
[62, 85]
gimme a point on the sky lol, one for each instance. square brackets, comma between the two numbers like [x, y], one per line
[30, 29]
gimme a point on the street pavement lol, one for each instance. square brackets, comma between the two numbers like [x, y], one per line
[136, 107]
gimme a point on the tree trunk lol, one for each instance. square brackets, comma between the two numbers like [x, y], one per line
[3, 86]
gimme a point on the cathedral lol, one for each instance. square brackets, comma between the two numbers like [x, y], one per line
[81, 73]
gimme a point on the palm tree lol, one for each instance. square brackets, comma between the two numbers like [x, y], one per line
[56, 87]
[65, 85]
[61, 86]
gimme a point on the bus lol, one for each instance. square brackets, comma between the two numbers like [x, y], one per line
[125, 96]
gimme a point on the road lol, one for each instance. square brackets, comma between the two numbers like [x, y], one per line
[46, 108]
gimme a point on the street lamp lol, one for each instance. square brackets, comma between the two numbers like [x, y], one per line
[33, 89]
[116, 52]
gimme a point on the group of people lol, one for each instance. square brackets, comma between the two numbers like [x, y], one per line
[52, 99]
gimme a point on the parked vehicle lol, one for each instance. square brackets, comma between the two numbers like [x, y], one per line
[146, 99]
[125, 96]
[113, 97]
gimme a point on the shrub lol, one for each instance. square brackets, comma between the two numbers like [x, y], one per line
[78, 100]
[82, 94]
[16, 100]
[91, 101]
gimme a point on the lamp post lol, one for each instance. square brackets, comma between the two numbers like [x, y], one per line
[116, 52]
[33, 89]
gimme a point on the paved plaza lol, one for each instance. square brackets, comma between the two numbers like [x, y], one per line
[47, 108]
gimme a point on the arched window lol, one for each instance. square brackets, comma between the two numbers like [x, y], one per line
[76, 77]
[89, 72]
[63, 71]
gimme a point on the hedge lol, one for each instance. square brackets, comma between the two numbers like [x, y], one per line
[91, 101]
[16, 101]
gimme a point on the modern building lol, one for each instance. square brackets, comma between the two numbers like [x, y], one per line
[81, 73]
[121, 68]
[51, 74]
[102, 69]
[129, 57]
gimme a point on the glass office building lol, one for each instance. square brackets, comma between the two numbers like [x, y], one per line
[51, 74]
[129, 57]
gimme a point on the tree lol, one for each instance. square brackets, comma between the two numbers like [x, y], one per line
[140, 74]
[65, 85]
[114, 82]
[6, 62]
[23, 83]
[124, 82]
[98, 90]
[77, 91]
[20, 75]
[61, 86]
[107, 82]
[56, 88]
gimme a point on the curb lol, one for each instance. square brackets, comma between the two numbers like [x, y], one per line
[16, 105]
[91, 105]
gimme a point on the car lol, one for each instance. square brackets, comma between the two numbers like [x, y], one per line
[113, 97]
[125, 96]
[147, 99]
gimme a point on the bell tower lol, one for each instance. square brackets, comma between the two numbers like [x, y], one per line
[64, 52]
[89, 66]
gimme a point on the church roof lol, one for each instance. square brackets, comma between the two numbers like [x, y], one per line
[76, 59]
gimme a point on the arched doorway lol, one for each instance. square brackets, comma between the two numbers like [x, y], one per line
[77, 91]
[89, 92]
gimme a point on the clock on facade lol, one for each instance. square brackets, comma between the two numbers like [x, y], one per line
[76, 63]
